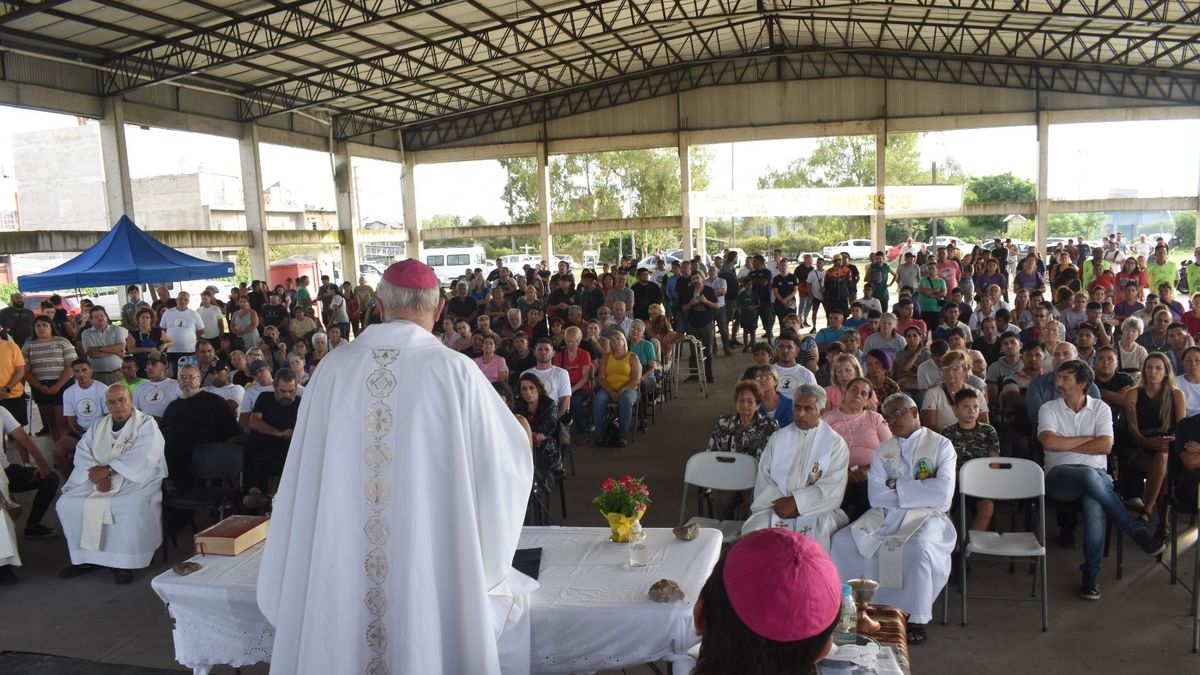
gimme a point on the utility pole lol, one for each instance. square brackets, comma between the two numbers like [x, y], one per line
[933, 222]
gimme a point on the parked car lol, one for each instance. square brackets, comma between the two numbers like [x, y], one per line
[1171, 238]
[857, 249]
[34, 301]
[372, 272]
[940, 242]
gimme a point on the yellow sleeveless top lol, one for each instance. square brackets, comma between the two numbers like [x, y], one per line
[617, 371]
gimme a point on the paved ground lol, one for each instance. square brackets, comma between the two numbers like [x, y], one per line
[1141, 625]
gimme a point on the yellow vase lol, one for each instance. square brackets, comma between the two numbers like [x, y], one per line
[622, 525]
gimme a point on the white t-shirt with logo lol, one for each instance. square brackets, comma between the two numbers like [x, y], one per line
[153, 398]
[791, 378]
[230, 392]
[556, 381]
[181, 327]
[85, 405]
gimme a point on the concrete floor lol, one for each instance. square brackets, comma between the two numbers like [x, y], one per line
[1141, 625]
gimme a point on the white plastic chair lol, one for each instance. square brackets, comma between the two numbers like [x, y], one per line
[1003, 478]
[718, 471]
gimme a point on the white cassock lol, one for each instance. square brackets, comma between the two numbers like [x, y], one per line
[907, 528]
[809, 465]
[121, 528]
[396, 520]
[9, 555]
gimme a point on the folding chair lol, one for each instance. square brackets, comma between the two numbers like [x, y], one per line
[217, 470]
[1009, 479]
[718, 471]
[1176, 470]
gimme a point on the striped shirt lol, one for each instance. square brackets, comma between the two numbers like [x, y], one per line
[48, 358]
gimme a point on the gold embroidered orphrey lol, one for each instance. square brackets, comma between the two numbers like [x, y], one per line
[377, 455]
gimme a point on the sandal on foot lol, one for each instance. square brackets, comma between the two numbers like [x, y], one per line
[916, 634]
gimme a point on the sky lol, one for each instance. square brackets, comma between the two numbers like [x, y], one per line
[1086, 161]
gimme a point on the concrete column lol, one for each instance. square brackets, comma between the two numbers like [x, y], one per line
[256, 207]
[1043, 181]
[1197, 230]
[702, 239]
[543, 185]
[685, 197]
[879, 218]
[115, 158]
[415, 248]
[345, 186]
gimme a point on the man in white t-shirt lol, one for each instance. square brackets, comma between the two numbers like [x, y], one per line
[83, 405]
[220, 384]
[156, 393]
[790, 373]
[184, 326]
[211, 315]
[556, 380]
[1076, 432]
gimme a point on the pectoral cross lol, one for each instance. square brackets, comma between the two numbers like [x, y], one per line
[805, 530]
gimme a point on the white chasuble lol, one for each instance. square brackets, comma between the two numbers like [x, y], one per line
[8, 530]
[906, 539]
[397, 517]
[123, 527]
[809, 465]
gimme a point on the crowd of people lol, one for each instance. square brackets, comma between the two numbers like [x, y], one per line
[858, 425]
[124, 404]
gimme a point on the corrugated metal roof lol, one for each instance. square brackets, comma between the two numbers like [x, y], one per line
[445, 68]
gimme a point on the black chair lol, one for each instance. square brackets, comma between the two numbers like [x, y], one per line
[1181, 501]
[217, 470]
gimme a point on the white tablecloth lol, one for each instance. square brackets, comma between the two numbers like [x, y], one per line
[591, 612]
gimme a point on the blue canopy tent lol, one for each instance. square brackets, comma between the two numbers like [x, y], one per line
[126, 255]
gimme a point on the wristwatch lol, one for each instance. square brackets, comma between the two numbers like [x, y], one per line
[890, 483]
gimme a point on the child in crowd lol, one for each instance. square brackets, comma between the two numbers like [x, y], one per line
[856, 317]
[748, 303]
[973, 439]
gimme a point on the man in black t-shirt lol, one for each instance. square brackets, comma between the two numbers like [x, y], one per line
[760, 279]
[700, 309]
[561, 298]
[194, 418]
[645, 294]
[273, 313]
[271, 426]
[784, 288]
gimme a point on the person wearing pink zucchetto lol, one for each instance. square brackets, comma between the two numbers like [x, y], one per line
[395, 523]
[769, 607]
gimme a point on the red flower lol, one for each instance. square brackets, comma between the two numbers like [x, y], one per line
[608, 484]
[630, 488]
[627, 480]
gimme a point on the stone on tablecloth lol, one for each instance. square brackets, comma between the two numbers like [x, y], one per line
[665, 590]
[687, 532]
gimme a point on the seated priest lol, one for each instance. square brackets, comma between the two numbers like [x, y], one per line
[111, 504]
[905, 540]
[802, 473]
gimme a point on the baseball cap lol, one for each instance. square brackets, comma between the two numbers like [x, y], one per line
[782, 584]
[219, 364]
[157, 357]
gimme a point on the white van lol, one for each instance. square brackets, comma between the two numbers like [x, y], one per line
[451, 263]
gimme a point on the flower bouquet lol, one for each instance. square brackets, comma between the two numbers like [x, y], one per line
[622, 502]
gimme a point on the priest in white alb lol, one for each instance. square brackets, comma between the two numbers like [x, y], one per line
[396, 520]
[802, 473]
[111, 505]
[904, 542]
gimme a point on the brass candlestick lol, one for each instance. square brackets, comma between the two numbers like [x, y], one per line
[863, 590]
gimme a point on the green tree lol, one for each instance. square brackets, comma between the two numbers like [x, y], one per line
[997, 188]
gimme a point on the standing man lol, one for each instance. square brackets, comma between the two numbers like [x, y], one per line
[274, 313]
[784, 291]
[700, 310]
[470, 606]
[16, 320]
[645, 293]
[211, 317]
[364, 293]
[931, 294]
[720, 288]
[129, 309]
[104, 345]
[880, 276]
[908, 273]
[184, 326]
[760, 279]
[1076, 431]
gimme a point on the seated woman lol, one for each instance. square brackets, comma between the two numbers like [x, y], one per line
[864, 430]
[541, 412]
[759, 616]
[578, 364]
[1152, 411]
[937, 406]
[619, 375]
[879, 365]
[771, 402]
[844, 370]
[746, 431]
[494, 367]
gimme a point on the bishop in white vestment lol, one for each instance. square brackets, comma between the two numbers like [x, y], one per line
[396, 519]
[906, 539]
[111, 505]
[802, 471]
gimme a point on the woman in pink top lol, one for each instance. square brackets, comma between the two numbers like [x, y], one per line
[842, 372]
[863, 430]
[494, 368]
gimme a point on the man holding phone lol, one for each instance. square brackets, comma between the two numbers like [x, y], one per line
[700, 306]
